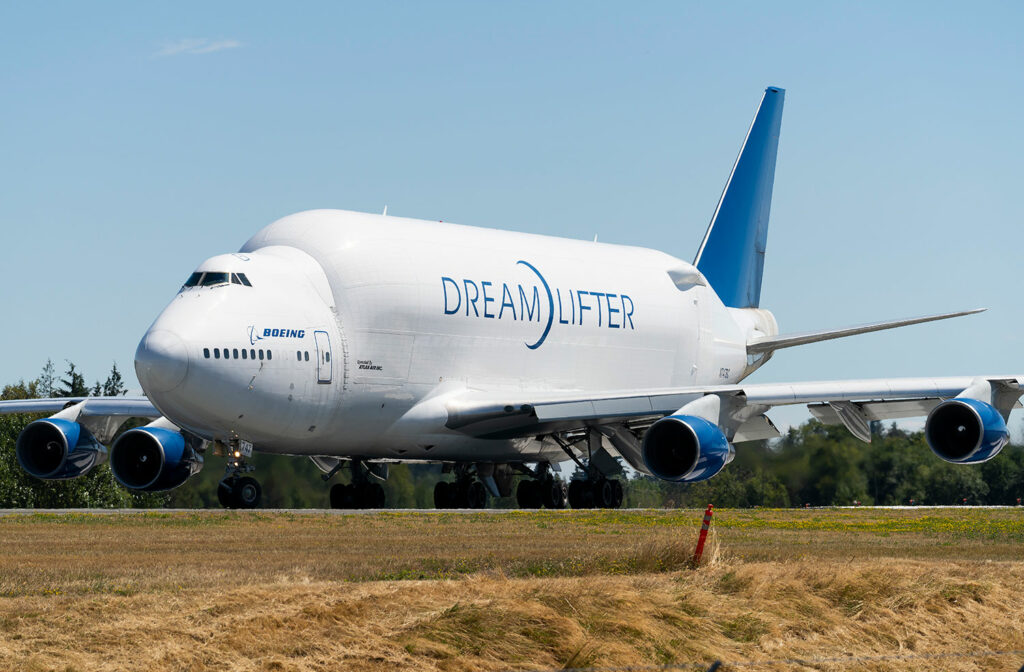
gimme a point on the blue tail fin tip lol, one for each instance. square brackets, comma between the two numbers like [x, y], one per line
[731, 256]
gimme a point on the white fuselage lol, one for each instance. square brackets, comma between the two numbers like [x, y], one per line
[394, 313]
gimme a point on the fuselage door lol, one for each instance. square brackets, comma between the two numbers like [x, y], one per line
[324, 366]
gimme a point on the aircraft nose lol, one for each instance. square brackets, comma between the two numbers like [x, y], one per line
[161, 361]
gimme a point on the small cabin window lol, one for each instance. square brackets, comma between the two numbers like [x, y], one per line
[307, 355]
[216, 278]
[327, 356]
[235, 355]
[216, 353]
[298, 355]
[269, 355]
[261, 354]
[252, 354]
[244, 353]
[206, 353]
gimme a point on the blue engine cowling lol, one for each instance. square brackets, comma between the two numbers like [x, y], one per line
[56, 449]
[966, 431]
[153, 459]
[685, 448]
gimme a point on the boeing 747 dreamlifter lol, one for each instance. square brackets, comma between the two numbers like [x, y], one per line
[360, 340]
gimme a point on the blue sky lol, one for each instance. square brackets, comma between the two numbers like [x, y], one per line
[140, 138]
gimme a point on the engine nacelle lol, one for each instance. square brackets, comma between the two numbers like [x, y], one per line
[685, 448]
[966, 431]
[153, 459]
[56, 449]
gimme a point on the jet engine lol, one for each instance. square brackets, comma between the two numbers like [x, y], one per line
[53, 449]
[153, 459]
[685, 448]
[966, 431]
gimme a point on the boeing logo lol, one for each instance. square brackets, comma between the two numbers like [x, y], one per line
[531, 302]
[256, 335]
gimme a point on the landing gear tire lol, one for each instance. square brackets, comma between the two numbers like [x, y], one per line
[476, 496]
[248, 493]
[553, 493]
[357, 496]
[239, 493]
[443, 491]
[602, 493]
[528, 494]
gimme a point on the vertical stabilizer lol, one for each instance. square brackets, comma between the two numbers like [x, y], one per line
[732, 254]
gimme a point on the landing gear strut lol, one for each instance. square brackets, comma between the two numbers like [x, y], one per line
[467, 492]
[236, 491]
[361, 493]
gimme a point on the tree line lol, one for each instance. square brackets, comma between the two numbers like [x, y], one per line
[813, 464]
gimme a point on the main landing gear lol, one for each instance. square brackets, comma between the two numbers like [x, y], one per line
[236, 491]
[590, 487]
[467, 492]
[541, 489]
[361, 493]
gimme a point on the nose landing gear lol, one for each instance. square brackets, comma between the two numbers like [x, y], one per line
[236, 491]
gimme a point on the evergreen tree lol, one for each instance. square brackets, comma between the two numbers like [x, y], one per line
[73, 385]
[46, 378]
[113, 386]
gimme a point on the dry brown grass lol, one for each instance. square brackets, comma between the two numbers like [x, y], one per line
[261, 591]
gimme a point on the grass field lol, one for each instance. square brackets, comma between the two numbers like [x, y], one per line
[538, 590]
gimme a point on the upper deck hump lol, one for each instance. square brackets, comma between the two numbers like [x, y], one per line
[322, 232]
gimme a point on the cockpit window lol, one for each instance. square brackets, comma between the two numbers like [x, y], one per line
[215, 278]
[235, 280]
[194, 279]
[245, 280]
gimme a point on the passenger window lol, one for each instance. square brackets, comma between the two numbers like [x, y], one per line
[206, 353]
[268, 355]
[261, 354]
[244, 353]
[194, 279]
[214, 279]
[235, 280]
[327, 356]
[298, 355]
[235, 355]
[245, 280]
[307, 355]
[252, 354]
[216, 353]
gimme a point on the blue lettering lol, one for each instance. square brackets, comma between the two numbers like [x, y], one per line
[627, 314]
[476, 295]
[302, 333]
[598, 295]
[444, 287]
[506, 300]
[487, 299]
[275, 332]
[611, 325]
[526, 309]
[266, 333]
[558, 292]
[579, 297]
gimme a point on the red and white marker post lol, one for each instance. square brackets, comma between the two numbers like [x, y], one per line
[703, 536]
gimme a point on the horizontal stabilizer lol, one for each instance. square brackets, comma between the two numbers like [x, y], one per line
[789, 340]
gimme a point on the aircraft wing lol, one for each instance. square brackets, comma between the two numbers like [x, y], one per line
[101, 415]
[130, 407]
[852, 402]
